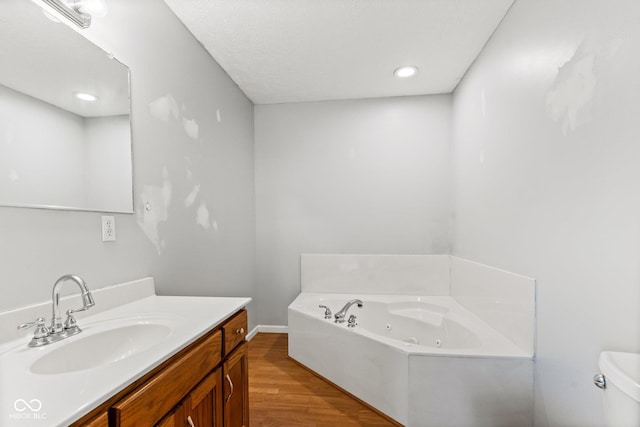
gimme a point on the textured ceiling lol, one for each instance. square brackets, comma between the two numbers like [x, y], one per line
[311, 50]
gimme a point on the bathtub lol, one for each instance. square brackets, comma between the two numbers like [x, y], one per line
[422, 361]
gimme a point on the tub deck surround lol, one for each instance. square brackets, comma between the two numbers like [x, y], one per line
[459, 354]
[63, 398]
[437, 326]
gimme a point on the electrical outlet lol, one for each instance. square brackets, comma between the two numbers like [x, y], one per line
[108, 229]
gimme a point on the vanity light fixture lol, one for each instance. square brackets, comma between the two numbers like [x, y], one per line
[406, 71]
[95, 8]
[85, 96]
[79, 11]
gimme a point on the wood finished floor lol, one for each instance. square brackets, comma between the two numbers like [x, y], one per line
[281, 393]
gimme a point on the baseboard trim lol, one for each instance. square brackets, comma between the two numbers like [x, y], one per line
[268, 329]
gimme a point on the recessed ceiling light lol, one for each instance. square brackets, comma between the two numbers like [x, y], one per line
[406, 71]
[85, 96]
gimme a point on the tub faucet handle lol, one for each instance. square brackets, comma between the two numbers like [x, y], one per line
[352, 321]
[600, 381]
[327, 311]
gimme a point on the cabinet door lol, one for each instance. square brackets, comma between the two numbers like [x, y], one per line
[176, 418]
[201, 408]
[236, 388]
[205, 402]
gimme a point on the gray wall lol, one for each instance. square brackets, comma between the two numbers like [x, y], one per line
[547, 183]
[108, 164]
[367, 176]
[192, 136]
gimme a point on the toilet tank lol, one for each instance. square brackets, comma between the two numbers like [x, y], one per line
[621, 397]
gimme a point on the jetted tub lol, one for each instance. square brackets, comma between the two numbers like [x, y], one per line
[422, 361]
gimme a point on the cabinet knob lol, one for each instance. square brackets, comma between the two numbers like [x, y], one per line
[239, 331]
[190, 421]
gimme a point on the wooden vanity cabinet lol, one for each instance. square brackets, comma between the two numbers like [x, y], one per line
[205, 384]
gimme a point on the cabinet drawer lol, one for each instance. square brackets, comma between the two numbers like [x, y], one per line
[148, 404]
[235, 331]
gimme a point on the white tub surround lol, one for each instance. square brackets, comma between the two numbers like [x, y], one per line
[423, 359]
[506, 301]
[375, 274]
[61, 398]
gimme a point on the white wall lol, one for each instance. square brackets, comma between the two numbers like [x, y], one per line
[192, 130]
[108, 162]
[41, 164]
[547, 183]
[366, 176]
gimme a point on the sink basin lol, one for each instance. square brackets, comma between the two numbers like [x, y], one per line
[107, 346]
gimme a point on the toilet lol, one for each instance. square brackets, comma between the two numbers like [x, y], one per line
[621, 388]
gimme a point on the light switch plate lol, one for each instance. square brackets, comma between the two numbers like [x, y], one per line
[108, 228]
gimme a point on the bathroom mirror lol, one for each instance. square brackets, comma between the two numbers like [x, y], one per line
[65, 134]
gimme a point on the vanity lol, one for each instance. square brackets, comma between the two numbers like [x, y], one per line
[205, 384]
[140, 360]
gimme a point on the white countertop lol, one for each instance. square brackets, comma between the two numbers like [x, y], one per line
[30, 399]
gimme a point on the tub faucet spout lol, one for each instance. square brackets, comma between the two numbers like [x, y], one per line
[343, 313]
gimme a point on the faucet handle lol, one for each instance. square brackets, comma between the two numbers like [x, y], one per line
[352, 321]
[327, 311]
[70, 325]
[41, 330]
[77, 310]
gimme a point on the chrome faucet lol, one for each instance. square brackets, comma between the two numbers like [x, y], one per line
[339, 316]
[57, 327]
[327, 311]
[58, 330]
